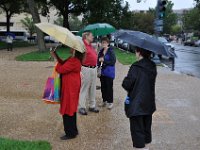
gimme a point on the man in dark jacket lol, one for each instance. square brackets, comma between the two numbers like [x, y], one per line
[140, 102]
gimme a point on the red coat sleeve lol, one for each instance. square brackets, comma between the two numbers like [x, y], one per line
[69, 66]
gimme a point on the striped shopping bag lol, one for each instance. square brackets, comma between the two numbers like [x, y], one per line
[52, 89]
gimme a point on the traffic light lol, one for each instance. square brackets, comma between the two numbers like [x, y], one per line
[161, 8]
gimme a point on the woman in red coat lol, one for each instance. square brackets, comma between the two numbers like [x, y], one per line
[71, 83]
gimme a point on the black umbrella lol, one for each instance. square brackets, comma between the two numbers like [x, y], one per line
[144, 41]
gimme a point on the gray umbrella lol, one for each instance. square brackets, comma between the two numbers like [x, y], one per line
[144, 41]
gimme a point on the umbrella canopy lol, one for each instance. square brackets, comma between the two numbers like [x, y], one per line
[62, 35]
[98, 29]
[144, 41]
[10, 34]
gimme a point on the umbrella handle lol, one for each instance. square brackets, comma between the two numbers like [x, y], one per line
[101, 64]
[53, 49]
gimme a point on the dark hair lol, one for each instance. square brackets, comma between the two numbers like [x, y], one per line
[105, 39]
[80, 55]
[145, 53]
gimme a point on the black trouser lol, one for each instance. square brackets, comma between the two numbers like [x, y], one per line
[9, 46]
[70, 126]
[141, 130]
[107, 89]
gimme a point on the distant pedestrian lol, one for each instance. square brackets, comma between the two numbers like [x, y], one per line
[89, 71]
[70, 88]
[107, 60]
[140, 102]
[9, 41]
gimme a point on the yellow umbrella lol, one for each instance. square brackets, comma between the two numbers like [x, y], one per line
[63, 35]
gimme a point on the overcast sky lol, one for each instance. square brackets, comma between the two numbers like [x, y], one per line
[145, 4]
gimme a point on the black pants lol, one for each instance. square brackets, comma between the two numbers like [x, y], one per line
[141, 130]
[9, 46]
[70, 126]
[107, 89]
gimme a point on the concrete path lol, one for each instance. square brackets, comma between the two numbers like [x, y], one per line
[24, 116]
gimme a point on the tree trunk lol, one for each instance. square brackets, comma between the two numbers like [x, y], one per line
[66, 15]
[36, 19]
[66, 21]
[8, 16]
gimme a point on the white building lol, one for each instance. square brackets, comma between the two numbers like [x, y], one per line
[16, 20]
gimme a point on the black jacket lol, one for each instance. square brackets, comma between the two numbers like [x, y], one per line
[140, 85]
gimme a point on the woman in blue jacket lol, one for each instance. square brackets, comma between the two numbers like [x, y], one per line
[107, 60]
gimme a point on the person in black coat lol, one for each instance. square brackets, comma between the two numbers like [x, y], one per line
[140, 101]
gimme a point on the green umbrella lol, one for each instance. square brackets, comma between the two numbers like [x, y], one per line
[98, 29]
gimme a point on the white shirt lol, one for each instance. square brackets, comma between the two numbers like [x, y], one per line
[9, 39]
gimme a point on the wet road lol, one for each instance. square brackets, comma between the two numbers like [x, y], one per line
[188, 61]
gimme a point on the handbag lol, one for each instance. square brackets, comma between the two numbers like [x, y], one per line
[99, 70]
[52, 89]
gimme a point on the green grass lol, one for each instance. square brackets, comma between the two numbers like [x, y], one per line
[63, 52]
[16, 44]
[125, 58]
[8, 144]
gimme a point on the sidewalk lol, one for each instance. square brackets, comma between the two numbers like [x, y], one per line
[24, 116]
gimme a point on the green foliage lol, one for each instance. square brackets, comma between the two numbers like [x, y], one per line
[64, 53]
[68, 7]
[197, 3]
[143, 22]
[191, 20]
[125, 58]
[7, 144]
[11, 7]
[74, 22]
[176, 29]
[109, 11]
[170, 18]
[29, 25]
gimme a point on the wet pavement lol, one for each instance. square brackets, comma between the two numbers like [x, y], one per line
[188, 60]
[24, 116]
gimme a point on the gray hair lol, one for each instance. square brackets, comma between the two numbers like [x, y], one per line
[85, 34]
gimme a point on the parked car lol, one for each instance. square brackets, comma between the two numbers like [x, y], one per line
[197, 43]
[168, 44]
[164, 41]
[189, 42]
[119, 43]
[49, 39]
[125, 46]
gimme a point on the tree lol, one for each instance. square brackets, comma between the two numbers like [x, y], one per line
[170, 18]
[191, 20]
[75, 23]
[176, 29]
[36, 19]
[68, 7]
[114, 12]
[143, 22]
[29, 25]
[197, 3]
[125, 18]
[11, 7]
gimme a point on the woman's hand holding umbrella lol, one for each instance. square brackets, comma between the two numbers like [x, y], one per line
[55, 56]
[101, 59]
